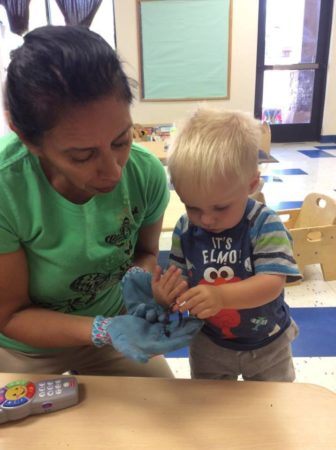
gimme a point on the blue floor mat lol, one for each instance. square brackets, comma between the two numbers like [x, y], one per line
[317, 333]
[316, 153]
[284, 205]
[289, 172]
[326, 147]
[271, 179]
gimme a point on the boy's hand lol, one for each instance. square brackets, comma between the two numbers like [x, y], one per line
[202, 301]
[167, 287]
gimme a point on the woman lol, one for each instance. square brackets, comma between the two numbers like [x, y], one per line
[79, 205]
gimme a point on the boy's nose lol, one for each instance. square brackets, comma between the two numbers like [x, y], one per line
[207, 219]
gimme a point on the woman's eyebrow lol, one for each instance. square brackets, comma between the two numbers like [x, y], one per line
[122, 133]
[76, 149]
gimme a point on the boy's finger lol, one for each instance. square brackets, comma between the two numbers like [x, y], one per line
[168, 273]
[182, 286]
[183, 307]
[156, 274]
[186, 296]
[173, 281]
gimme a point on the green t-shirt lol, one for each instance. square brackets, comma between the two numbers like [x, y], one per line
[76, 254]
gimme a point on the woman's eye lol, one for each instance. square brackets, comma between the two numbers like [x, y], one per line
[120, 144]
[82, 159]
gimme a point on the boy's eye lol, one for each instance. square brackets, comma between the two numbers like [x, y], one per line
[221, 208]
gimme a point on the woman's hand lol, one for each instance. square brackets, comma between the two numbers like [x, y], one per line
[168, 286]
[139, 339]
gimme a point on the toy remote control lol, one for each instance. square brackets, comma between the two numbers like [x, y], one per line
[23, 398]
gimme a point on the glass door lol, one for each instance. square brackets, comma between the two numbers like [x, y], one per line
[293, 47]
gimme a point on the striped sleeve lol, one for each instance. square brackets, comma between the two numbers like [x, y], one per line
[176, 256]
[272, 245]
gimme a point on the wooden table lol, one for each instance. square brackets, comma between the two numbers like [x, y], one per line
[143, 413]
[156, 147]
[159, 149]
[173, 212]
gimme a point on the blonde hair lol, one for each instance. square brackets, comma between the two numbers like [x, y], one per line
[215, 143]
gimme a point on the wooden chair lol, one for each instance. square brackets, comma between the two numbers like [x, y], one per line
[174, 211]
[264, 153]
[313, 228]
[258, 194]
[265, 140]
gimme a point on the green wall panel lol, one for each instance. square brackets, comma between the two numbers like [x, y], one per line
[185, 48]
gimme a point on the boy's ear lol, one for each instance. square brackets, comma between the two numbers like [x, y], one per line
[254, 183]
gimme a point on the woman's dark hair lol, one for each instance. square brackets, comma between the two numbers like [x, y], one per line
[59, 67]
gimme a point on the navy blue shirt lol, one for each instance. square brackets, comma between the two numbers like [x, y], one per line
[259, 243]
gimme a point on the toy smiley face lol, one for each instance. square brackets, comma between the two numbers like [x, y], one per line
[15, 392]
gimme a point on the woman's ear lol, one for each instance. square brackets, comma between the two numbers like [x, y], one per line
[254, 183]
[31, 147]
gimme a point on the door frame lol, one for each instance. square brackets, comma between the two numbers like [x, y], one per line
[303, 131]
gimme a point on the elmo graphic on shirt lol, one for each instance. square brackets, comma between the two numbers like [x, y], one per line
[226, 319]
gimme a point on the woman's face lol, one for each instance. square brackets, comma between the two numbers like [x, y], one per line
[85, 153]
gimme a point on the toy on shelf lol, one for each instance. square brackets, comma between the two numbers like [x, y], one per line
[139, 133]
[152, 132]
[313, 229]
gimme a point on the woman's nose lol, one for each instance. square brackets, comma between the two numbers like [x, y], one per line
[109, 168]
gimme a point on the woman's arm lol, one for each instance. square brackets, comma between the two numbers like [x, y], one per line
[147, 248]
[22, 321]
[40, 327]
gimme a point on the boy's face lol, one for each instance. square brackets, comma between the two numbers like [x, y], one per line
[219, 208]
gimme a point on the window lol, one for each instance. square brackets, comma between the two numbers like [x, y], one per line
[103, 24]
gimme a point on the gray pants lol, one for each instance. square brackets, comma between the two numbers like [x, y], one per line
[274, 362]
[84, 360]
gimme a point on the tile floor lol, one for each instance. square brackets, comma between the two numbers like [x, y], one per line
[301, 168]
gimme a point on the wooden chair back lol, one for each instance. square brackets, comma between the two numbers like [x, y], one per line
[316, 210]
[265, 140]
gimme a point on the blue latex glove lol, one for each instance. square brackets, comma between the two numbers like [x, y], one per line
[139, 301]
[139, 339]
[138, 298]
[137, 293]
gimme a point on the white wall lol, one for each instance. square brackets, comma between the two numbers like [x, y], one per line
[243, 65]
